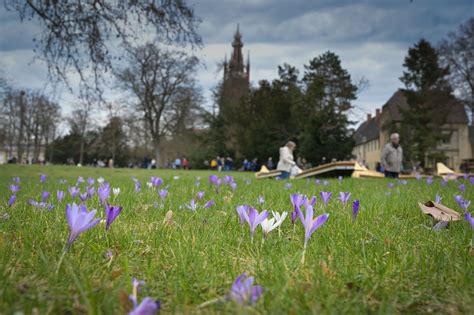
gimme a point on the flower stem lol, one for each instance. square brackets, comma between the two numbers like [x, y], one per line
[303, 256]
[61, 259]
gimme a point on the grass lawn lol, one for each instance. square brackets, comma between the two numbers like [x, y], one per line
[387, 261]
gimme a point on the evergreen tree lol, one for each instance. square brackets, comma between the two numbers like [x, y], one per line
[329, 92]
[428, 95]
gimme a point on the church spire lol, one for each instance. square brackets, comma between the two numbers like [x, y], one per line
[236, 62]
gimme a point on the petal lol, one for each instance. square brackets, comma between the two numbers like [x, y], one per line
[309, 218]
[320, 220]
[256, 293]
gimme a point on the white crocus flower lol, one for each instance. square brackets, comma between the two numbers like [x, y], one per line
[116, 191]
[149, 184]
[100, 180]
[279, 219]
[268, 225]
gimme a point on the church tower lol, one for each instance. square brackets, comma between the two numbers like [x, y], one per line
[236, 82]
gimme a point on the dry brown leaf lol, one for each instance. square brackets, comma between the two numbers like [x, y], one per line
[439, 212]
[168, 220]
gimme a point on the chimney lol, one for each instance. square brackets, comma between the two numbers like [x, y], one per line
[377, 113]
[369, 117]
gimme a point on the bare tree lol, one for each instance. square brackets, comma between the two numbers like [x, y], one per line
[159, 80]
[457, 52]
[27, 119]
[80, 121]
[84, 35]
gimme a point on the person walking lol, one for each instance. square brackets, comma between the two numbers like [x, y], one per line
[286, 161]
[392, 157]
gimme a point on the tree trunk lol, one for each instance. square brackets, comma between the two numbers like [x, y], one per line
[156, 148]
[81, 151]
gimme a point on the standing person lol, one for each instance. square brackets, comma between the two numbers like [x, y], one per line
[270, 163]
[392, 157]
[286, 161]
[185, 163]
[177, 163]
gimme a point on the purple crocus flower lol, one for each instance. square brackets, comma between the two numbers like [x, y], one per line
[229, 179]
[163, 194]
[444, 182]
[326, 195]
[254, 218]
[344, 197]
[404, 182]
[355, 209]
[200, 195]
[339, 178]
[218, 184]
[104, 192]
[60, 195]
[79, 221]
[12, 200]
[42, 178]
[429, 180]
[310, 224]
[156, 181]
[418, 176]
[288, 186]
[147, 306]
[261, 200]
[90, 181]
[464, 204]
[462, 188]
[244, 292]
[233, 185]
[45, 195]
[296, 200]
[325, 183]
[209, 204]
[137, 186]
[438, 199]
[391, 185]
[469, 219]
[213, 179]
[293, 216]
[73, 191]
[83, 197]
[41, 205]
[90, 191]
[317, 182]
[192, 205]
[80, 180]
[439, 226]
[16, 179]
[471, 180]
[240, 211]
[111, 212]
[14, 188]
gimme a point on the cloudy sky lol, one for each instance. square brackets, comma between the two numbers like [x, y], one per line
[371, 37]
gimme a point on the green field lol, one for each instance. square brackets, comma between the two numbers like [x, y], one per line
[387, 261]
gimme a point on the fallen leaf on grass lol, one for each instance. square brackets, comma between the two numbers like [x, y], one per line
[439, 212]
[125, 301]
[168, 220]
[115, 273]
[328, 272]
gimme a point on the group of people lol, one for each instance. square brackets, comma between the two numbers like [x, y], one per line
[391, 159]
[220, 164]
